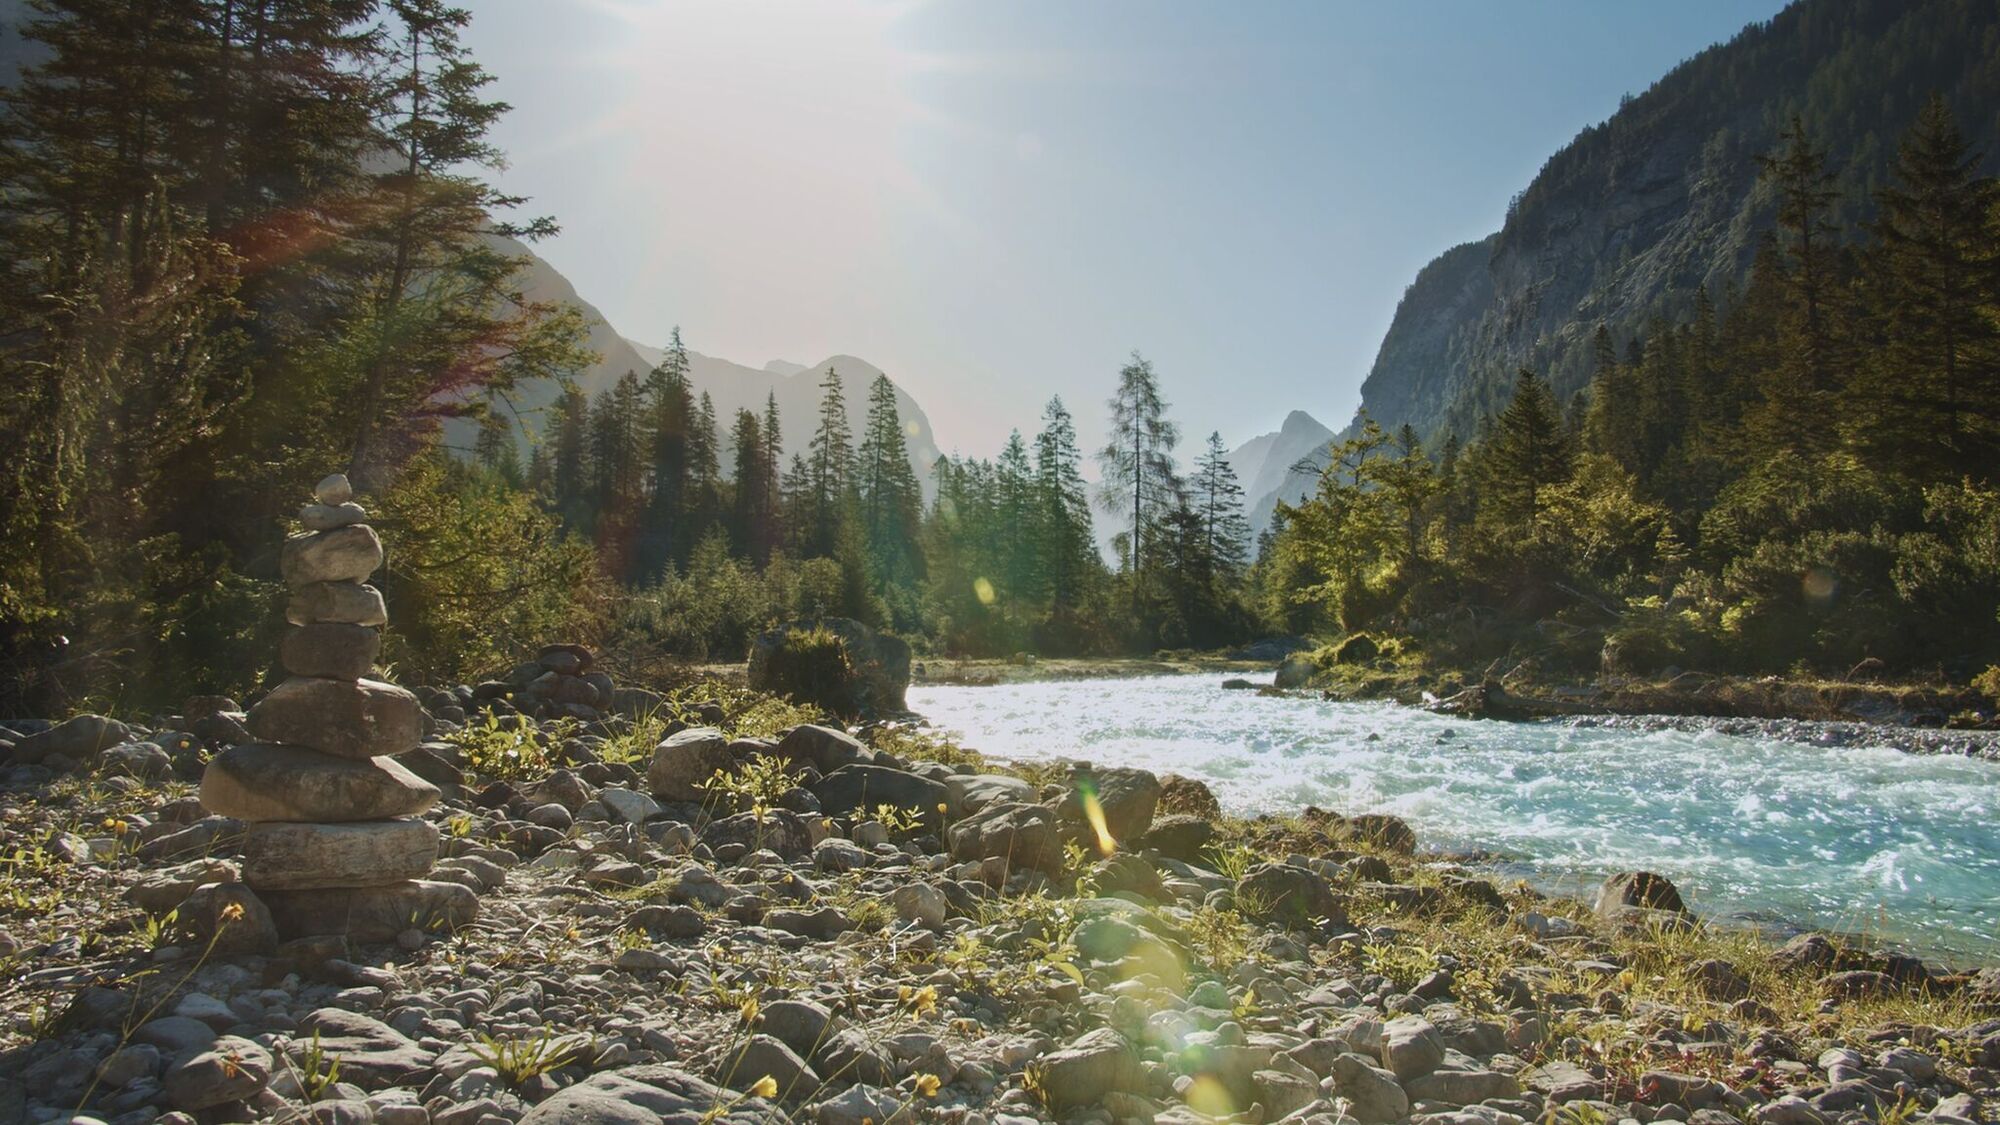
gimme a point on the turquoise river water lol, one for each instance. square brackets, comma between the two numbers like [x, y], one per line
[1872, 840]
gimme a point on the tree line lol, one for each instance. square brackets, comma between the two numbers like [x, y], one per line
[1002, 558]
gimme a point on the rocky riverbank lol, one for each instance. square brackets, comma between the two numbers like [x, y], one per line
[716, 911]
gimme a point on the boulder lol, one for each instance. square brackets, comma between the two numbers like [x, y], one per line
[972, 792]
[1390, 833]
[1411, 1048]
[648, 1095]
[79, 739]
[1291, 896]
[372, 1054]
[859, 788]
[295, 856]
[1126, 797]
[802, 1025]
[684, 762]
[1638, 890]
[344, 554]
[360, 720]
[762, 1056]
[824, 748]
[1187, 795]
[373, 914]
[1179, 836]
[230, 1070]
[779, 830]
[882, 664]
[1373, 1094]
[1027, 836]
[326, 517]
[230, 916]
[330, 650]
[1080, 1074]
[259, 781]
[347, 603]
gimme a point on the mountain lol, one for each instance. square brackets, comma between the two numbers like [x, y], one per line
[732, 386]
[1265, 465]
[1628, 220]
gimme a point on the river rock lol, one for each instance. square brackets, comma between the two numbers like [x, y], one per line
[349, 603]
[373, 914]
[1126, 797]
[1082, 1073]
[333, 488]
[326, 517]
[1411, 1048]
[763, 1056]
[227, 918]
[79, 739]
[1290, 895]
[258, 781]
[972, 792]
[1640, 890]
[329, 650]
[290, 856]
[1373, 1094]
[345, 554]
[648, 1095]
[684, 763]
[360, 720]
[1027, 836]
[1179, 836]
[860, 788]
[824, 748]
[230, 1070]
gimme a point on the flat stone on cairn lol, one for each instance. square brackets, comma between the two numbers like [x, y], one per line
[334, 846]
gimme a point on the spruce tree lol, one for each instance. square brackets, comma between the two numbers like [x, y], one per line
[1936, 262]
[1218, 504]
[1528, 451]
[891, 500]
[1064, 546]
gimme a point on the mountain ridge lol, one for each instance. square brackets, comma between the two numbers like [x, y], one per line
[1626, 222]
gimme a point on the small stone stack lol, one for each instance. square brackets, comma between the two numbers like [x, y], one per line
[335, 845]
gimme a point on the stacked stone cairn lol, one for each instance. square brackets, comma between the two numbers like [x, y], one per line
[335, 845]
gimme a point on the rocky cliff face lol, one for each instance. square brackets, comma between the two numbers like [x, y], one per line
[1266, 465]
[1633, 216]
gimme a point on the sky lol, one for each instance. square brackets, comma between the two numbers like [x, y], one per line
[997, 202]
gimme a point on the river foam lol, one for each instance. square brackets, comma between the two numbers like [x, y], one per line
[1858, 838]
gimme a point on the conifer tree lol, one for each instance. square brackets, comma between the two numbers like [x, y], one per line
[1218, 505]
[1064, 545]
[1932, 396]
[1794, 412]
[829, 471]
[1139, 475]
[891, 500]
[1527, 452]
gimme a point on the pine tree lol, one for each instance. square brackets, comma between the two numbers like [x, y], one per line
[1061, 528]
[1794, 413]
[1139, 474]
[1932, 401]
[570, 473]
[829, 469]
[1528, 451]
[1218, 504]
[891, 500]
[670, 528]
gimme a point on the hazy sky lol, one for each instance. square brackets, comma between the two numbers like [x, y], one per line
[997, 201]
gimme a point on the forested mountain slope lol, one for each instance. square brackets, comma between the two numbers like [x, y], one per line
[1636, 214]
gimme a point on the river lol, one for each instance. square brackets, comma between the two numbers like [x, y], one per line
[1904, 848]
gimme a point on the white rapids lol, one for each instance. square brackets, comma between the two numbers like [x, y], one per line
[1870, 840]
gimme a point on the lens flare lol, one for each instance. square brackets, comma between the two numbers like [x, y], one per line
[1093, 811]
[983, 590]
[1210, 1097]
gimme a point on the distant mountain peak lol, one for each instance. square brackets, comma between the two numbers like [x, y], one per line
[785, 367]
